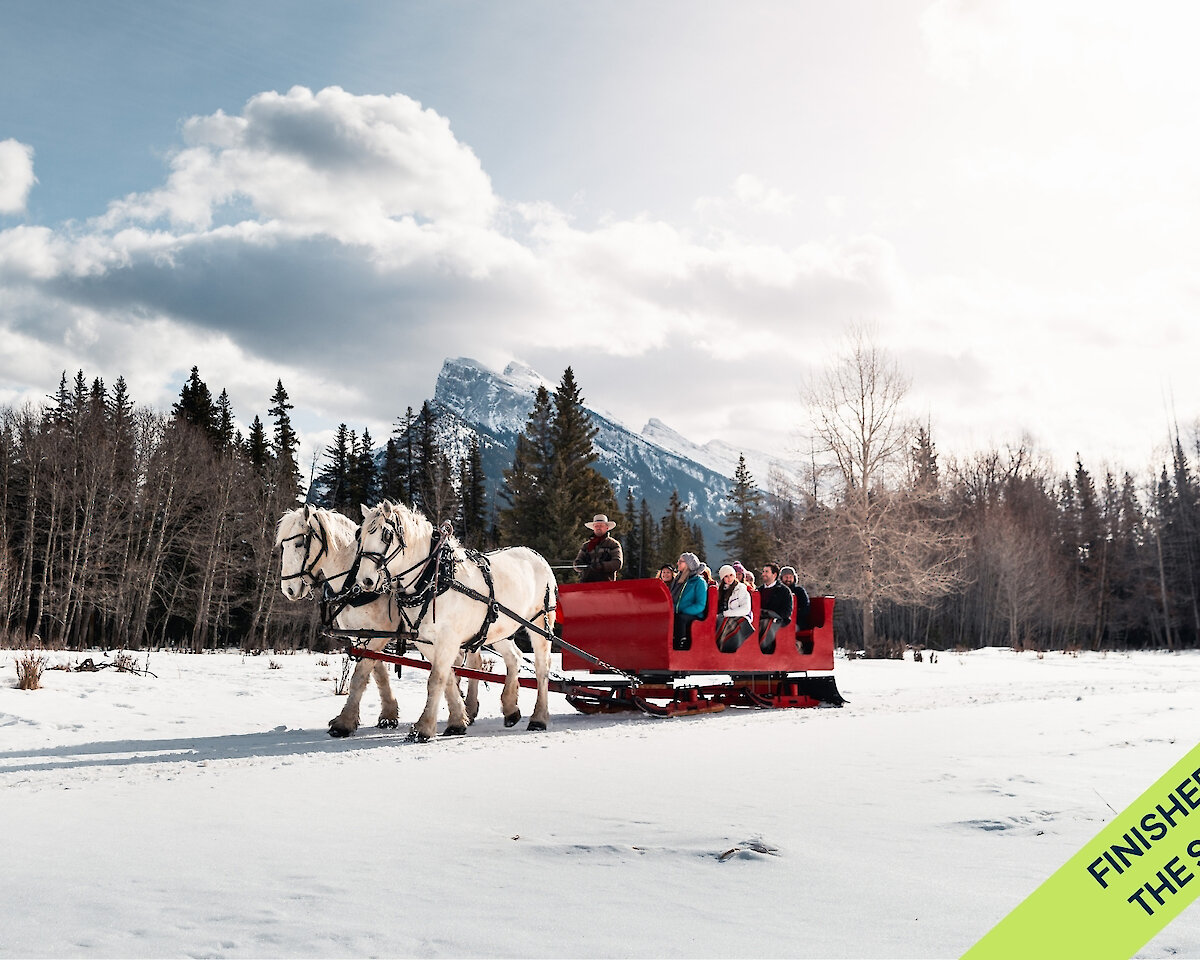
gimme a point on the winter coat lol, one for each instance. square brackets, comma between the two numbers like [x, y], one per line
[599, 561]
[802, 606]
[734, 601]
[777, 599]
[692, 597]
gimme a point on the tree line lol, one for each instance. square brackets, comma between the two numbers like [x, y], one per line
[121, 525]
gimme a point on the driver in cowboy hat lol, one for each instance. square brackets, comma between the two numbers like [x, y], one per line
[600, 558]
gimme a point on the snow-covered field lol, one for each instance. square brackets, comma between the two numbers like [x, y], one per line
[205, 812]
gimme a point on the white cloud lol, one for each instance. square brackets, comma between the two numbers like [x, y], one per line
[16, 175]
[346, 166]
[348, 244]
[748, 194]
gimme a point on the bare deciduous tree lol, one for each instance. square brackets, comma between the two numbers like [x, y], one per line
[881, 540]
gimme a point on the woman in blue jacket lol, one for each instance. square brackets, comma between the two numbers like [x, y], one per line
[690, 594]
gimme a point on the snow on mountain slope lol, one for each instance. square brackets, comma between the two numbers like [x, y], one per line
[469, 396]
[722, 457]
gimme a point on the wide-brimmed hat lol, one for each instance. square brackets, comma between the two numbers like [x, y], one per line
[600, 518]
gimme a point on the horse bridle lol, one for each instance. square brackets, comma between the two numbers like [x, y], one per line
[308, 567]
[391, 531]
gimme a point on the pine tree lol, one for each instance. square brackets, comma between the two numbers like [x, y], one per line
[258, 451]
[195, 406]
[523, 520]
[578, 491]
[393, 477]
[473, 512]
[404, 432]
[635, 560]
[674, 535]
[362, 473]
[746, 537]
[284, 445]
[223, 424]
[647, 539]
[426, 463]
[335, 474]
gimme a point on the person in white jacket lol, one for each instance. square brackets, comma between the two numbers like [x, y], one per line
[735, 623]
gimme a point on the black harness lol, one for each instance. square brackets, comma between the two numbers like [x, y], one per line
[438, 573]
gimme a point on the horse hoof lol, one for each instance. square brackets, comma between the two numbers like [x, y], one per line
[536, 725]
[415, 736]
[454, 731]
[512, 718]
[388, 723]
[339, 731]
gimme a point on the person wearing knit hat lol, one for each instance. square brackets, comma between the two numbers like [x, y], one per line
[787, 576]
[734, 611]
[600, 558]
[690, 595]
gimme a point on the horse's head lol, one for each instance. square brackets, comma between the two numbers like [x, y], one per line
[389, 533]
[301, 541]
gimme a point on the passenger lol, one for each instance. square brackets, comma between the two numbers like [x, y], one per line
[748, 580]
[739, 571]
[775, 608]
[690, 596]
[666, 573]
[707, 575]
[734, 611]
[600, 558]
[788, 576]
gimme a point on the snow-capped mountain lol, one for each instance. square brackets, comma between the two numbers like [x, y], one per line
[470, 398]
[721, 457]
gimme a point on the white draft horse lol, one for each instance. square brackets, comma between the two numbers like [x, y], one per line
[426, 576]
[319, 548]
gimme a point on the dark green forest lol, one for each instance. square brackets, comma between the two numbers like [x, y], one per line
[123, 526]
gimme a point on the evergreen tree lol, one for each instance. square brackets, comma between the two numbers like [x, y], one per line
[746, 536]
[335, 474]
[473, 513]
[195, 406]
[647, 540]
[258, 451]
[523, 520]
[404, 433]
[393, 477]
[578, 491]
[674, 533]
[285, 444]
[426, 463]
[635, 560]
[363, 475]
[224, 427]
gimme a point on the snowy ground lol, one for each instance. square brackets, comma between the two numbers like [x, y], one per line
[206, 813]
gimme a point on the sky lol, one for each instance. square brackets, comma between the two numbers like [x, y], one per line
[691, 203]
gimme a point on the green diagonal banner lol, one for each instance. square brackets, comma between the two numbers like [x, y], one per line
[1127, 883]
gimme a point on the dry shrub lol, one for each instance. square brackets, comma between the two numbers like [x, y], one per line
[339, 688]
[125, 663]
[29, 671]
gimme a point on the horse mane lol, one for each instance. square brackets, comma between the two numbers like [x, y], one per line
[413, 524]
[338, 527]
[332, 522]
